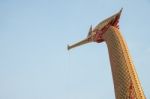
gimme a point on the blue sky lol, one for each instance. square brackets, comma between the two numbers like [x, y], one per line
[34, 61]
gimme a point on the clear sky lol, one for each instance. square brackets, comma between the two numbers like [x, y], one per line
[34, 61]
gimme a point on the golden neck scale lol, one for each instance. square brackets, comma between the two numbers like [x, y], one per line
[125, 78]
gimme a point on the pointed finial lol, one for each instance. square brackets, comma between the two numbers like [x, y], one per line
[120, 10]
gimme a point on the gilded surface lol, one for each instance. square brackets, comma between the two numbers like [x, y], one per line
[126, 82]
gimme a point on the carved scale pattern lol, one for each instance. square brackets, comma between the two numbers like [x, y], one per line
[123, 70]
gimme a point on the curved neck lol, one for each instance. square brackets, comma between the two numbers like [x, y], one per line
[126, 82]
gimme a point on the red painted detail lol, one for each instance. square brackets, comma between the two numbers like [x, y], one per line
[100, 32]
[131, 96]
